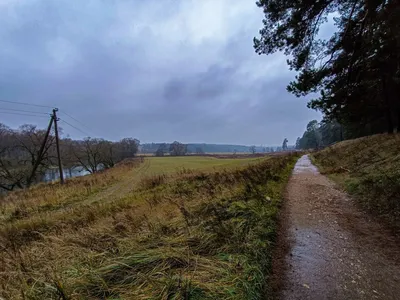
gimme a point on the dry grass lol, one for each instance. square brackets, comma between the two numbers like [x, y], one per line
[188, 234]
[369, 168]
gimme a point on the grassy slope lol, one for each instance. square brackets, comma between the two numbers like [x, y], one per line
[369, 168]
[105, 186]
[195, 234]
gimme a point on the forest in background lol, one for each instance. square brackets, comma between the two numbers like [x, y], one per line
[201, 148]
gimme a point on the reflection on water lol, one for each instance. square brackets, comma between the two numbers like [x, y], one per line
[305, 165]
[53, 173]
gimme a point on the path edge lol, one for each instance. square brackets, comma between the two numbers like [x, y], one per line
[281, 250]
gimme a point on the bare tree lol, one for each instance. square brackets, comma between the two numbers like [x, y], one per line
[252, 149]
[127, 148]
[177, 149]
[162, 149]
[94, 154]
[20, 153]
[10, 176]
[68, 158]
[87, 154]
[108, 154]
[30, 140]
[23, 161]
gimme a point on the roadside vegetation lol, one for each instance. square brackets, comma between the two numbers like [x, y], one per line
[200, 231]
[369, 169]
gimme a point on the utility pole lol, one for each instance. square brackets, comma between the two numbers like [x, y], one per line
[58, 145]
[40, 154]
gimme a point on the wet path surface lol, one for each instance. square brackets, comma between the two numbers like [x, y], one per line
[334, 250]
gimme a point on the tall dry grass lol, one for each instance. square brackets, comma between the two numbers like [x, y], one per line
[195, 235]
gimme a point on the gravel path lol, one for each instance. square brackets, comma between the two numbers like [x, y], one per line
[334, 251]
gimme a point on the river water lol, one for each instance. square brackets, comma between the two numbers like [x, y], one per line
[53, 173]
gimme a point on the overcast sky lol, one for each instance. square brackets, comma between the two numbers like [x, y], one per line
[156, 70]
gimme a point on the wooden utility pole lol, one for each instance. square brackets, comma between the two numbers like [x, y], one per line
[58, 145]
[40, 154]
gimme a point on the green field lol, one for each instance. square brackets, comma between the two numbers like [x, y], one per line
[172, 164]
[159, 228]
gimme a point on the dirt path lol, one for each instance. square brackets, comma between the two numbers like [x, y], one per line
[334, 251]
[120, 189]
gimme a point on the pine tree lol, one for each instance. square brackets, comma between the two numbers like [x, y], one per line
[356, 71]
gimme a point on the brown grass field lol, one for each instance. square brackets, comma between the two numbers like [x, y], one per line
[153, 228]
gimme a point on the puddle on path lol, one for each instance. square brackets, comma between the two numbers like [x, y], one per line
[328, 257]
[304, 165]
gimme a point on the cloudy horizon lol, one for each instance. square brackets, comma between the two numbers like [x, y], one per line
[157, 71]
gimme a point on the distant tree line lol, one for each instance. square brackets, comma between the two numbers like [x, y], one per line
[197, 148]
[355, 74]
[19, 153]
[174, 149]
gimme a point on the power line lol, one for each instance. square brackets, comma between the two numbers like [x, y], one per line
[75, 127]
[76, 120]
[24, 103]
[35, 114]
[25, 111]
[28, 115]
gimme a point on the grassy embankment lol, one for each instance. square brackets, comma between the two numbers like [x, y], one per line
[166, 228]
[369, 169]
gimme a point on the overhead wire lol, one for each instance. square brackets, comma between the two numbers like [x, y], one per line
[28, 113]
[76, 120]
[25, 111]
[24, 103]
[75, 127]
[22, 114]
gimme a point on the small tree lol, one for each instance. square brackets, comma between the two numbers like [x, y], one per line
[126, 148]
[298, 143]
[177, 149]
[162, 149]
[252, 149]
[284, 144]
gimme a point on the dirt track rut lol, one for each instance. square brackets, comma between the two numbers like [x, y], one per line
[334, 251]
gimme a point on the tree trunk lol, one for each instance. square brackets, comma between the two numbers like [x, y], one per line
[398, 119]
[341, 132]
[390, 126]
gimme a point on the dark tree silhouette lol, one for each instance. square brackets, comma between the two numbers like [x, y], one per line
[284, 144]
[356, 71]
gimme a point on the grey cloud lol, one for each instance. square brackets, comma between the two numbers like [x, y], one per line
[200, 86]
[133, 69]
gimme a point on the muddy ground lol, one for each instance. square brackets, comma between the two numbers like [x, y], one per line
[328, 248]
